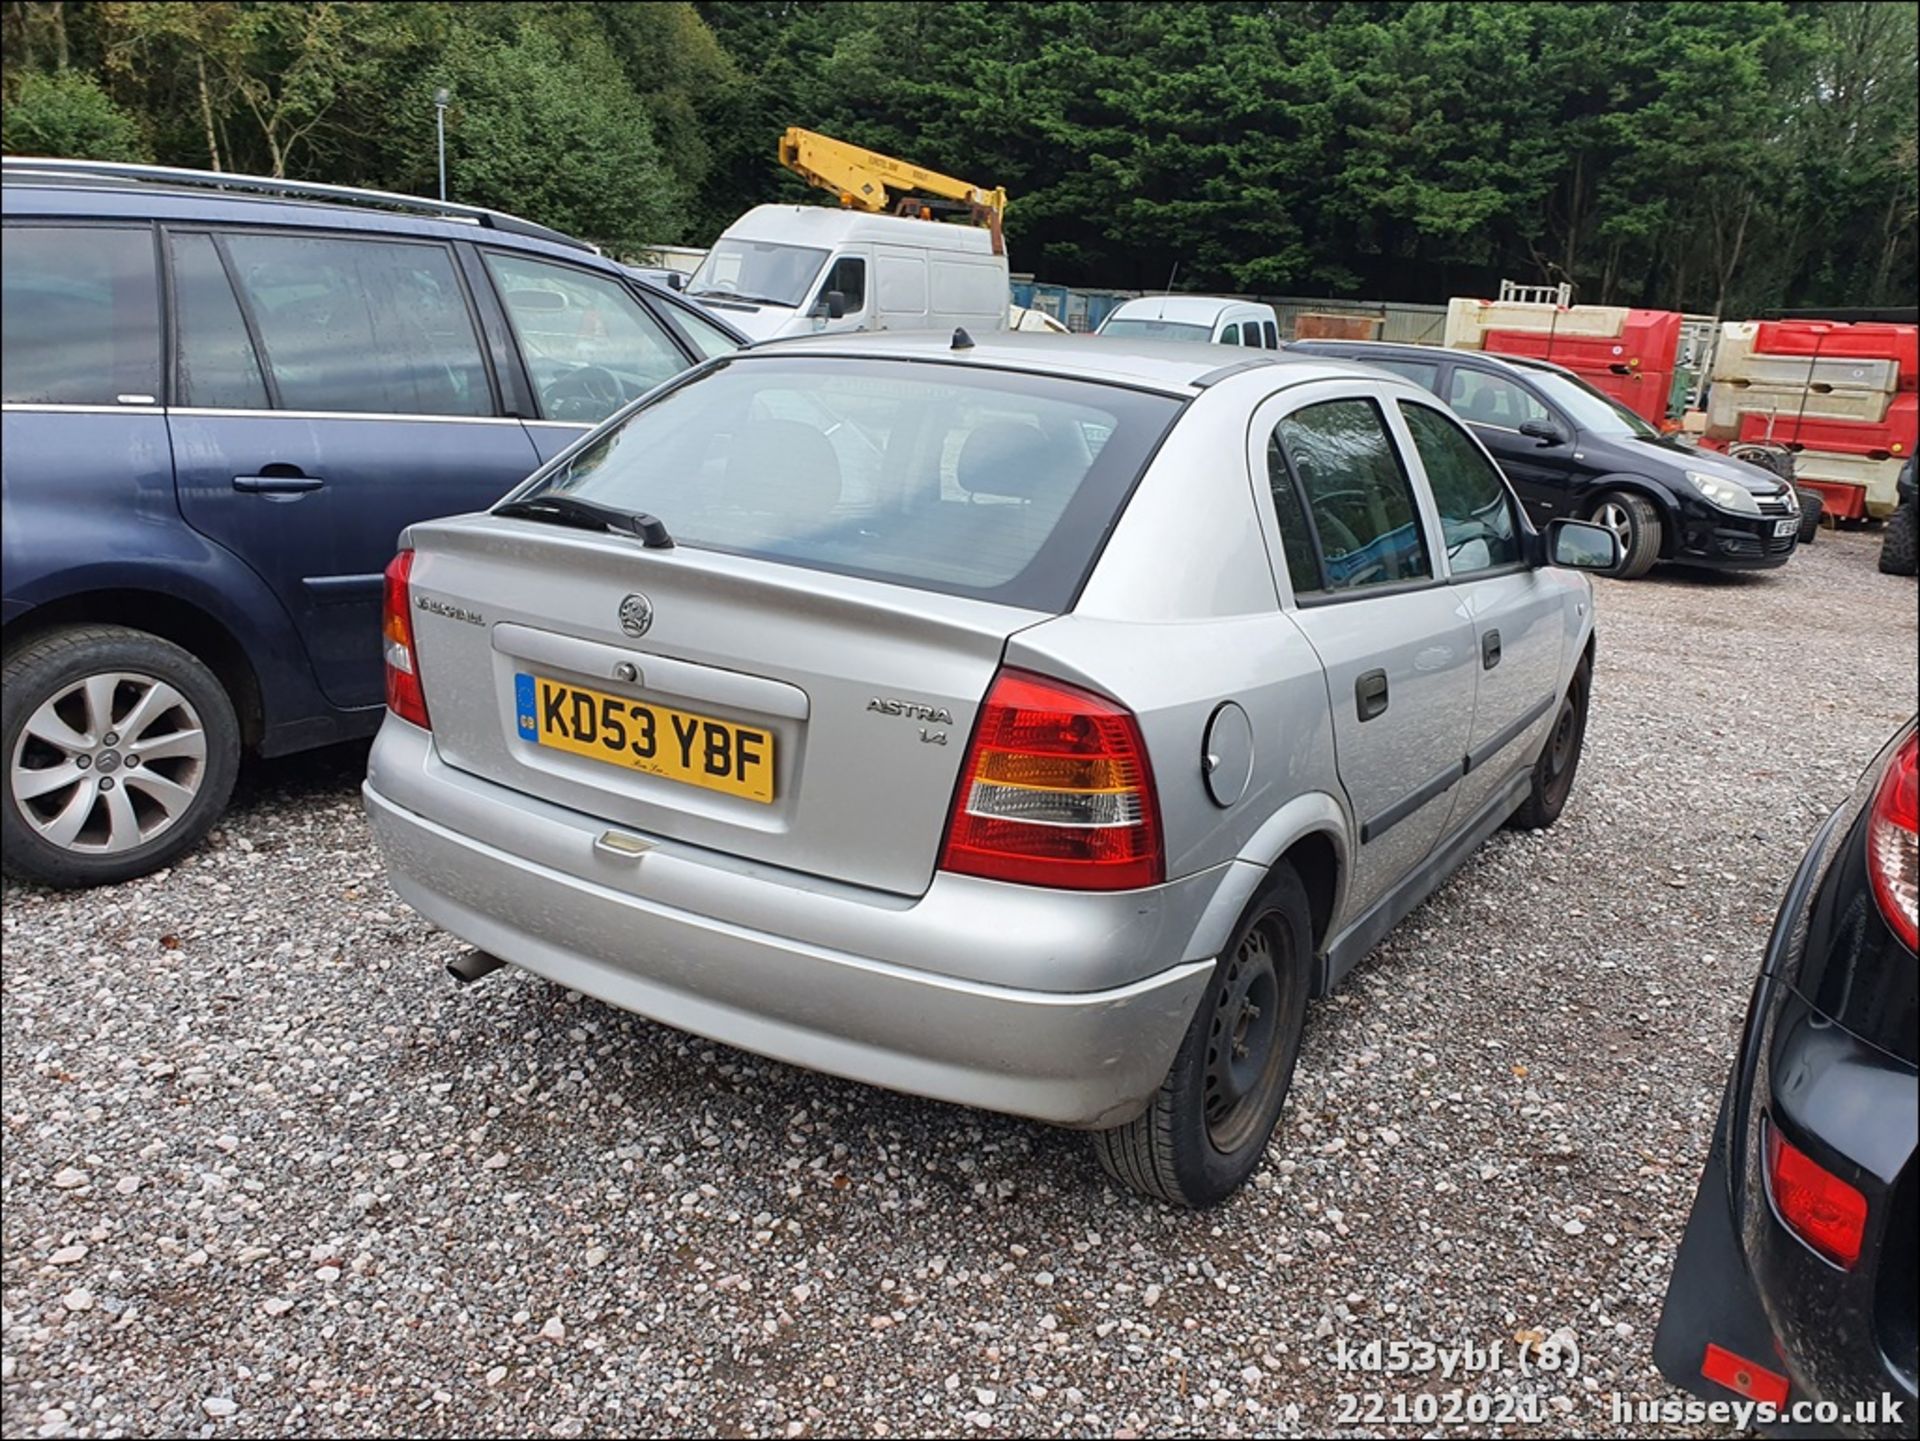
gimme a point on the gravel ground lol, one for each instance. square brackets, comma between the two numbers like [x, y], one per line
[266, 1171]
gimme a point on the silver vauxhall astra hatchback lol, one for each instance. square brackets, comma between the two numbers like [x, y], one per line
[1034, 724]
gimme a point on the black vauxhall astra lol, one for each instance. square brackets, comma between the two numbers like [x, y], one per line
[1795, 1281]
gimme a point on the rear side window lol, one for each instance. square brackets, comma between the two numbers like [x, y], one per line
[709, 339]
[1296, 534]
[214, 356]
[1422, 373]
[1272, 334]
[1356, 495]
[945, 478]
[370, 326]
[79, 316]
[1476, 512]
[1488, 399]
[589, 345]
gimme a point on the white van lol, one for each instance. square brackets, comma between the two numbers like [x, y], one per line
[783, 270]
[1205, 318]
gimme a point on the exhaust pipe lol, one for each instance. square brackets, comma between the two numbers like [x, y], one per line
[473, 966]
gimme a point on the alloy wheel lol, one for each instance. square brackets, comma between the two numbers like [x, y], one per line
[108, 763]
[1614, 517]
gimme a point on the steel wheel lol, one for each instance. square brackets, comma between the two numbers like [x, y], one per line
[108, 763]
[1566, 731]
[1243, 1062]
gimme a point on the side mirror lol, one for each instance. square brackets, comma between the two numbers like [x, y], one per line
[836, 304]
[676, 280]
[1582, 545]
[1542, 431]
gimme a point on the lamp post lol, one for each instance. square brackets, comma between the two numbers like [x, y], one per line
[440, 98]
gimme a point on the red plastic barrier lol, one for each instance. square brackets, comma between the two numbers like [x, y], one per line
[1644, 392]
[1654, 335]
[1900, 343]
[1576, 352]
[1649, 340]
[1898, 434]
[1837, 499]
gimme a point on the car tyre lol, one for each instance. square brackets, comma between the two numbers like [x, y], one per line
[1207, 1127]
[121, 751]
[1636, 525]
[1897, 546]
[1559, 758]
[1812, 505]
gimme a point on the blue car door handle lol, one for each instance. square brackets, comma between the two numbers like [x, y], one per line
[277, 484]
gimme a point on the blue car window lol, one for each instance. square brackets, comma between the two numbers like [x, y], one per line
[1358, 496]
[214, 356]
[79, 316]
[375, 327]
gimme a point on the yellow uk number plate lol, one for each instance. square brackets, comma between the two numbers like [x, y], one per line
[654, 739]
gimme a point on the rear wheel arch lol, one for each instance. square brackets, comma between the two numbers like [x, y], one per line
[1316, 859]
[189, 626]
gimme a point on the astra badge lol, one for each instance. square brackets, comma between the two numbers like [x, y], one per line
[636, 614]
[912, 709]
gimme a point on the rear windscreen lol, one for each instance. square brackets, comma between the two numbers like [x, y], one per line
[984, 483]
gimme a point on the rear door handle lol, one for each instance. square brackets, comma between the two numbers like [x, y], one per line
[1370, 694]
[1490, 650]
[277, 484]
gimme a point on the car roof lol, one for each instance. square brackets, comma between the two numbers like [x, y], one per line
[1365, 350]
[1169, 366]
[1192, 309]
[87, 190]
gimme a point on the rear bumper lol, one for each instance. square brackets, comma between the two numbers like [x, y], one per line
[1088, 1058]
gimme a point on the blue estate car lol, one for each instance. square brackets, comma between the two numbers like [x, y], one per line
[224, 399]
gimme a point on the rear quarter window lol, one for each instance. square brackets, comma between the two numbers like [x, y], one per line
[988, 484]
[79, 316]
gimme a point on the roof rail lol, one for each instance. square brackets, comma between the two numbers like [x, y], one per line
[51, 168]
[1214, 377]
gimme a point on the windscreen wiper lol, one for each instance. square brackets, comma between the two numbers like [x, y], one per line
[587, 515]
[738, 295]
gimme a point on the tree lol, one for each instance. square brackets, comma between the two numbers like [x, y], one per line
[67, 114]
[550, 132]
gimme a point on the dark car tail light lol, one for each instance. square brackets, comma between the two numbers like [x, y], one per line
[1055, 790]
[1819, 1207]
[1893, 843]
[405, 698]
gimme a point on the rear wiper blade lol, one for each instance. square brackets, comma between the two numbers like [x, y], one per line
[586, 515]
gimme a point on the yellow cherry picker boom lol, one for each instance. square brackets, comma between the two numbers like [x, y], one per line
[863, 179]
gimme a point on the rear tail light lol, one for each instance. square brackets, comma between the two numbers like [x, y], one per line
[1819, 1207]
[1055, 791]
[404, 696]
[1893, 843]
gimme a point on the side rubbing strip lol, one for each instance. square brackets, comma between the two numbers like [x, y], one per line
[1508, 734]
[1379, 825]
